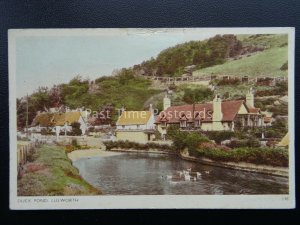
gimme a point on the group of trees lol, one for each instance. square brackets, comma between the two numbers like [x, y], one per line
[195, 95]
[124, 89]
[40, 100]
[171, 61]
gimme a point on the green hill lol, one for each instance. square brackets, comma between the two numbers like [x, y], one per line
[267, 63]
[173, 60]
[266, 40]
[260, 54]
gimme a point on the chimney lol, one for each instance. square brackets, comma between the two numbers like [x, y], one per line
[151, 108]
[217, 114]
[250, 99]
[217, 109]
[166, 102]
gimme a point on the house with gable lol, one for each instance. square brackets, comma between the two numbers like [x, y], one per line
[59, 121]
[218, 115]
[137, 126]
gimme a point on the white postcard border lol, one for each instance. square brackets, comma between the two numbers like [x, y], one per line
[146, 201]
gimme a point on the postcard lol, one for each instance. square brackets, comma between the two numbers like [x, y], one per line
[151, 118]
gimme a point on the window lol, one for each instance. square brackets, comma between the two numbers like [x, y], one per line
[138, 126]
[183, 123]
[197, 123]
[123, 126]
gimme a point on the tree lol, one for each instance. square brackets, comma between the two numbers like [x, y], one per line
[182, 140]
[76, 128]
[192, 96]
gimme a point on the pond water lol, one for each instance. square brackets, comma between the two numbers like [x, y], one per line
[149, 174]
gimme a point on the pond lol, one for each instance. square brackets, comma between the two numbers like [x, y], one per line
[150, 174]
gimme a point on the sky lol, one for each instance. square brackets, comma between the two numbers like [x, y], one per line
[45, 60]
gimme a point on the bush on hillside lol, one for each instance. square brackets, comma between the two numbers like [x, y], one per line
[284, 66]
[230, 81]
[191, 96]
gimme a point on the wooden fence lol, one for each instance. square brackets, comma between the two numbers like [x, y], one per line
[205, 77]
[25, 152]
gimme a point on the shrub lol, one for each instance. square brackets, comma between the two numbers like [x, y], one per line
[75, 143]
[266, 156]
[284, 66]
[219, 136]
[182, 140]
[250, 142]
[69, 148]
[230, 81]
[278, 129]
[196, 95]
[137, 146]
[76, 129]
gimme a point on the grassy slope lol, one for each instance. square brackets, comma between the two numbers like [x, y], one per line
[262, 63]
[51, 173]
[239, 90]
[267, 62]
[268, 41]
[132, 94]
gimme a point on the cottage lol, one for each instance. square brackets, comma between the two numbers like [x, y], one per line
[217, 115]
[59, 121]
[137, 126]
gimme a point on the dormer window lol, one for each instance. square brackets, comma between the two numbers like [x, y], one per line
[197, 123]
[183, 121]
[163, 121]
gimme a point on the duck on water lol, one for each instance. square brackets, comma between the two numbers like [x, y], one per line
[185, 175]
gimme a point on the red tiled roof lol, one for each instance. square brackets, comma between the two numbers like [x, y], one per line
[253, 110]
[230, 109]
[204, 111]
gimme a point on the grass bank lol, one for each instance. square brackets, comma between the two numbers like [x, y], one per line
[267, 62]
[50, 173]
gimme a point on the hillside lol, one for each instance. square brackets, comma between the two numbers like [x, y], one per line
[267, 63]
[241, 55]
[116, 91]
[260, 54]
[265, 40]
[172, 61]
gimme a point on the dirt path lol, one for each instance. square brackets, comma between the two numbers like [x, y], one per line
[87, 153]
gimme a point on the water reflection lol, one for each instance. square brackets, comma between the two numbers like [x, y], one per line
[145, 174]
